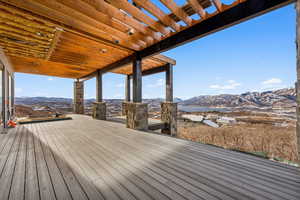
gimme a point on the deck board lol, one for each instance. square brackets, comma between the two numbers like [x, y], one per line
[93, 159]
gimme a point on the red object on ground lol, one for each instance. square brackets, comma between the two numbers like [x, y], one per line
[11, 123]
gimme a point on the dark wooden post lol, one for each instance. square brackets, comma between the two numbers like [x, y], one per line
[169, 83]
[99, 97]
[298, 78]
[137, 79]
[137, 112]
[99, 107]
[127, 88]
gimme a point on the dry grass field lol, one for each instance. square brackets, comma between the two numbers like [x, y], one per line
[262, 138]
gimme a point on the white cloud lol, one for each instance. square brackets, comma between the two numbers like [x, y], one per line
[158, 83]
[230, 85]
[120, 85]
[272, 81]
[50, 79]
[272, 84]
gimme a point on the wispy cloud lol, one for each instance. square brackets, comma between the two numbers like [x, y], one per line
[230, 85]
[120, 85]
[158, 83]
[272, 81]
[272, 84]
[50, 79]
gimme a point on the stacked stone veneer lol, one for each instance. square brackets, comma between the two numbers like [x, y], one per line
[78, 101]
[137, 116]
[124, 107]
[169, 118]
[99, 110]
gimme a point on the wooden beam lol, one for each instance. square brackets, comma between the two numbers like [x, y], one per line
[218, 4]
[75, 15]
[137, 80]
[53, 44]
[138, 14]
[177, 11]
[66, 22]
[114, 12]
[157, 12]
[232, 16]
[198, 8]
[91, 12]
[160, 57]
[110, 67]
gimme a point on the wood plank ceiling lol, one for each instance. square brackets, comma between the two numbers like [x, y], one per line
[73, 38]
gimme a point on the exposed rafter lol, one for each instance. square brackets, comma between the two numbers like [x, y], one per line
[139, 15]
[157, 12]
[198, 8]
[177, 11]
[54, 43]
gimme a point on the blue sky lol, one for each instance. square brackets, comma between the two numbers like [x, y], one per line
[256, 55]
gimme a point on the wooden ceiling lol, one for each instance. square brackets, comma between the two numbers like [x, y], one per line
[72, 38]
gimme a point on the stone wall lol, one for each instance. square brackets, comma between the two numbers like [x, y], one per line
[99, 110]
[137, 116]
[78, 101]
[169, 117]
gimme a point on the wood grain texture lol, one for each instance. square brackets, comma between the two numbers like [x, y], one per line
[93, 159]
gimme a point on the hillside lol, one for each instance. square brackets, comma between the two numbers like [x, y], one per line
[283, 98]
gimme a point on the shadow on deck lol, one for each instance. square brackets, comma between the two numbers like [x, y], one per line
[92, 159]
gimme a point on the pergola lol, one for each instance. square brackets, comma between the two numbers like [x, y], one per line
[82, 39]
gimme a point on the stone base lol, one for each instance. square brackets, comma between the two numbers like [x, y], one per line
[169, 117]
[99, 110]
[124, 108]
[137, 116]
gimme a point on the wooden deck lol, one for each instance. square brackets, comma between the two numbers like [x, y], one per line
[90, 159]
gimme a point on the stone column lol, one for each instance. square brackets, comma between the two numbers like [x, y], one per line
[99, 107]
[124, 108]
[169, 118]
[99, 110]
[78, 101]
[137, 112]
[298, 79]
[137, 116]
[168, 108]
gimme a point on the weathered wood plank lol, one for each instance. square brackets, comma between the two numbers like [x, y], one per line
[44, 180]
[60, 188]
[92, 159]
[31, 182]
[7, 171]
[18, 182]
[70, 180]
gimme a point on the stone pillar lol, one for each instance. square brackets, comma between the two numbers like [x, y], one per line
[124, 108]
[169, 118]
[137, 116]
[99, 107]
[137, 112]
[298, 78]
[78, 101]
[99, 110]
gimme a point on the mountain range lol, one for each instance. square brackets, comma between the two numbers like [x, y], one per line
[283, 98]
